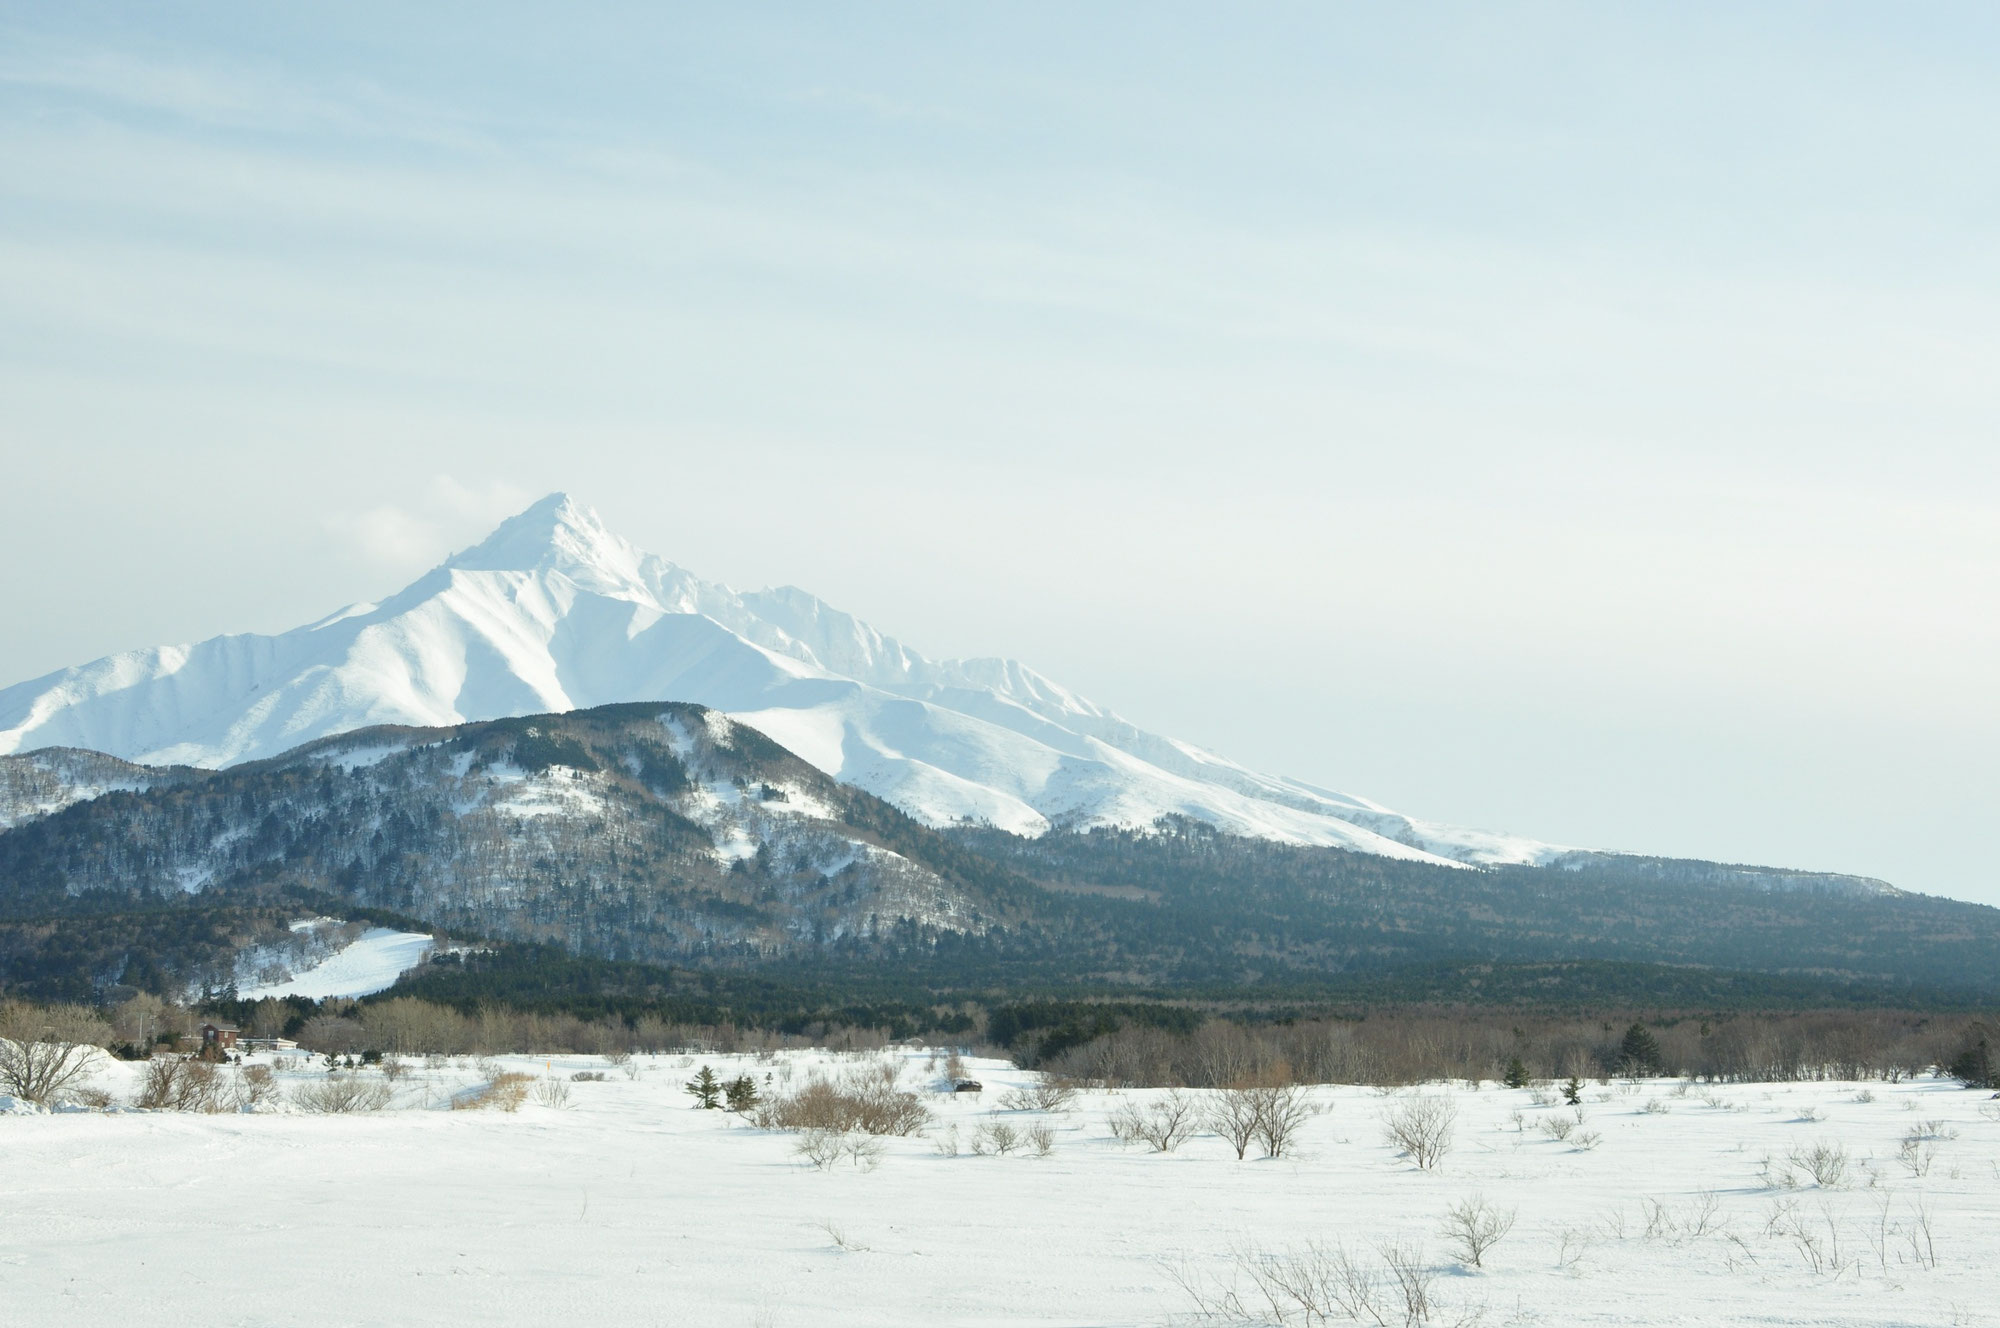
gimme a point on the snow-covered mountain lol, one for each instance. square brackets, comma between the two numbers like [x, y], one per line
[554, 612]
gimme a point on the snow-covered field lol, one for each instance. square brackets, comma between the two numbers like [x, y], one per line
[628, 1207]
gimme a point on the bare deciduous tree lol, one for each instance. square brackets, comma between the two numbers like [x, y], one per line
[45, 1050]
[1281, 1111]
[1234, 1113]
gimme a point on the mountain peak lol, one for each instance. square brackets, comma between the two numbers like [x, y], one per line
[560, 534]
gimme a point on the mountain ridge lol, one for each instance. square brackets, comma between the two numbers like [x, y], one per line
[666, 833]
[554, 612]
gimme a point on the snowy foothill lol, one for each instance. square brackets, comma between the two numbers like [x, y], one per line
[604, 1196]
[370, 963]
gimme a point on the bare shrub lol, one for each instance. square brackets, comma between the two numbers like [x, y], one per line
[1560, 1128]
[1319, 1284]
[825, 1149]
[852, 1104]
[1041, 1137]
[1676, 1226]
[1473, 1226]
[589, 1077]
[1165, 1123]
[1046, 1093]
[1923, 1249]
[552, 1093]
[1412, 1277]
[995, 1137]
[1817, 1242]
[47, 1049]
[946, 1143]
[617, 1056]
[820, 1148]
[1825, 1162]
[342, 1093]
[1421, 1127]
[256, 1086]
[172, 1084]
[1918, 1148]
[1654, 1107]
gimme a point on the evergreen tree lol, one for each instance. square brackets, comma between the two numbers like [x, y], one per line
[1573, 1091]
[706, 1090]
[1517, 1074]
[1975, 1067]
[1639, 1053]
[741, 1092]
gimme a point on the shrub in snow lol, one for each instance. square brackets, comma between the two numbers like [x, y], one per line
[1320, 1284]
[995, 1137]
[1562, 1129]
[1421, 1127]
[1165, 1123]
[825, 1149]
[172, 1084]
[1474, 1226]
[1825, 1162]
[1046, 1093]
[338, 1094]
[856, 1102]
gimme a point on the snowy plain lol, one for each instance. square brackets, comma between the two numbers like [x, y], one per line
[626, 1206]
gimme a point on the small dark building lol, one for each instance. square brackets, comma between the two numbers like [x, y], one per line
[222, 1037]
[968, 1086]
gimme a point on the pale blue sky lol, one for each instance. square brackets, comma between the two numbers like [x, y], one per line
[1571, 419]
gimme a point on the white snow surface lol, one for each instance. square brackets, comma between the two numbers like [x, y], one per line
[370, 964]
[554, 612]
[627, 1207]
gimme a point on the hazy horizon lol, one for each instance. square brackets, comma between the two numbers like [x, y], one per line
[1555, 421]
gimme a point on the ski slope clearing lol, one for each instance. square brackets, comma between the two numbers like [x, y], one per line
[370, 964]
[624, 1206]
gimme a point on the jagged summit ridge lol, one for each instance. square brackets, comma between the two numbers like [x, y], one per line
[553, 612]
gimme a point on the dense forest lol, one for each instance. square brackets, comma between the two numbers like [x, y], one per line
[590, 852]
